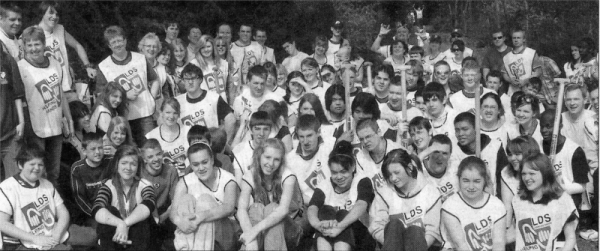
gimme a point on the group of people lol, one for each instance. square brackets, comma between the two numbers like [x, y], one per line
[206, 143]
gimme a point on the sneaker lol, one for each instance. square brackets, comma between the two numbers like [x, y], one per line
[589, 235]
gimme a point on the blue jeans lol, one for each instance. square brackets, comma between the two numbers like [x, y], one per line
[140, 127]
[52, 146]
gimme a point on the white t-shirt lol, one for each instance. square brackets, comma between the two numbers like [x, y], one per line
[292, 63]
[242, 159]
[464, 102]
[248, 102]
[310, 172]
[175, 151]
[246, 56]
[519, 66]
[447, 185]
[395, 65]
[513, 130]
[499, 134]
[367, 167]
[539, 225]
[411, 113]
[455, 67]
[445, 124]
[211, 83]
[32, 208]
[477, 224]
[100, 119]
[584, 132]
[489, 155]
[203, 112]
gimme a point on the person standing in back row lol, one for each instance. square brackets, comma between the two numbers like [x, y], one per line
[521, 63]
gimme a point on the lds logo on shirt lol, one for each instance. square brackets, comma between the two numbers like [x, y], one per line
[215, 83]
[130, 80]
[517, 68]
[48, 88]
[479, 234]
[197, 118]
[175, 158]
[535, 231]
[315, 178]
[39, 216]
[53, 51]
[414, 217]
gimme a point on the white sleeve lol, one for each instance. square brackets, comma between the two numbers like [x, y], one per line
[378, 218]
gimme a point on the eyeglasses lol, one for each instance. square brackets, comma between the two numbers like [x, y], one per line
[498, 38]
[191, 79]
[454, 50]
[117, 42]
[150, 46]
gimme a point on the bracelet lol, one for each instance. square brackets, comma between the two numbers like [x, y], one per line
[90, 65]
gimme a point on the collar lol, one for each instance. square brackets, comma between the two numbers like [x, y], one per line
[522, 131]
[485, 140]
[6, 35]
[514, 50]
[472, 94]
[382, 100]
[24, 183]
[124, 61]
[312, 155]
[196, 100]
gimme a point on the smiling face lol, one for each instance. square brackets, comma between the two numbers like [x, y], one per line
[152, 159]
[395, 96]
[270, 160]
[172, 31]
[411, 79]
[420, 103]
[221, 48]
[398, 50]
[94, 151]
[50, 17]
[515, 160]
[524, 114]
[83, 123]
[207, 50]
[490, 110]
[164, 58]
[115, 99]
[381, 82]
[532, 178]
[321, 48]
[202, 165]
[442, 73]
[127, 167]
[34, 50]
[150, 48]
[369, 138]
[32, 170]
[11, 23]
[398, 175]
[420, 137]
[435, 106]
[179, 53]
[261, 37]
[310, 73]
[327, 75]
[118, 135]
[341, 177]
[472, 184]
[194, 35]
[465, 133]
[470, 78]
[169, 115]
[306, 108]
[117, 45]
[574, 101]
[402, 33]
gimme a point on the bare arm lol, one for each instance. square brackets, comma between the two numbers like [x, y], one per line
[507, 197]
[243, 204]
[155, 88]
[454, 229]
[570, 237]
[9, 228]
[62, 224]
[230, 126]
[71, 41]
[383, 30]
[224, 210]
[287, 142]
[498, 235]
[21, 125]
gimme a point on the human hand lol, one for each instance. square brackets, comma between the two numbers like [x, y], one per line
[46, 242]
[19, 130]
[347, 136]
[333, 232]
[403, 126]
[384, 29]
[248, 237]
[91, 72]
[390, 118]
[109, 150]
[121, 234]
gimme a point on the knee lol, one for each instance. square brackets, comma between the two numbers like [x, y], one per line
[327, 213]
[205, 202]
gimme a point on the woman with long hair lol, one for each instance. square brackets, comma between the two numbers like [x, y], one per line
[176, 64]
[296, 88]
[406, 193]
[111, 102]
[234, 87]
[271, 81]
[542, 209]
[269, 200]
[517, 149]
[472, 211]
[215, 69]
[203, 203]
[124, 203]
[118, 133]
[338, 209]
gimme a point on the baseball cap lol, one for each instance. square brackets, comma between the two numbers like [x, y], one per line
[456, 33]
[338, 25]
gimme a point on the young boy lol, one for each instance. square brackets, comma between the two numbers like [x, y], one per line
[419, 102]
[86, 179]
[260, 128]
[394, 104]
[441, 116]
[464, 100]
[381, 83]
[164, 179]
[439, 169]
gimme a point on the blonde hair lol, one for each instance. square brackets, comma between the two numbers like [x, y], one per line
[149, 36]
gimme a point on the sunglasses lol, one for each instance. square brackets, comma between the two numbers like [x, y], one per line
[454, 50]
[526, 99]
[498, 38]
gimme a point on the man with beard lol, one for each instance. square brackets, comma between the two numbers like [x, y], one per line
[492, 152]
[394, 104]
[438, 168]
[374, 148]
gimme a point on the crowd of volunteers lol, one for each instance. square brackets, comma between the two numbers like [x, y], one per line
[198, 141]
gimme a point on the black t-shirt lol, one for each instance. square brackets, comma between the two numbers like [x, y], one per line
[223, 109]
[11, 89]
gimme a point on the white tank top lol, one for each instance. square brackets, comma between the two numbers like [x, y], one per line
[203, 113]
[57, 49]
[195, 187]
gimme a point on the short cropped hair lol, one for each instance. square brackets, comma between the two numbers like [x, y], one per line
[416, 50]
[260, 118]
[465, 117]
[33, 33]
[91, 137]
[434, 89]
[308, 122]
[441, 139]
[257, 70]
[192, 69]
[112, 32]
[151, 144]
[419, 123]
[370, 123]
[494, 74]
[4, 9]
[574, 87]
[388, 69]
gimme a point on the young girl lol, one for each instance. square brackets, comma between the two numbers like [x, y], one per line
[119, 133]
[297, 87]
[517, 149]
[215, 69]
[204, 202]
[124, 203]
[405, 214]
[527, 110]
[473, 219]
[269, 201]
[172, 136]
[338, 209]
[542, 209]
[111, 103]
[492, 123]
[176, 64]
[282, 74]
[271, 83]
[31, 210]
